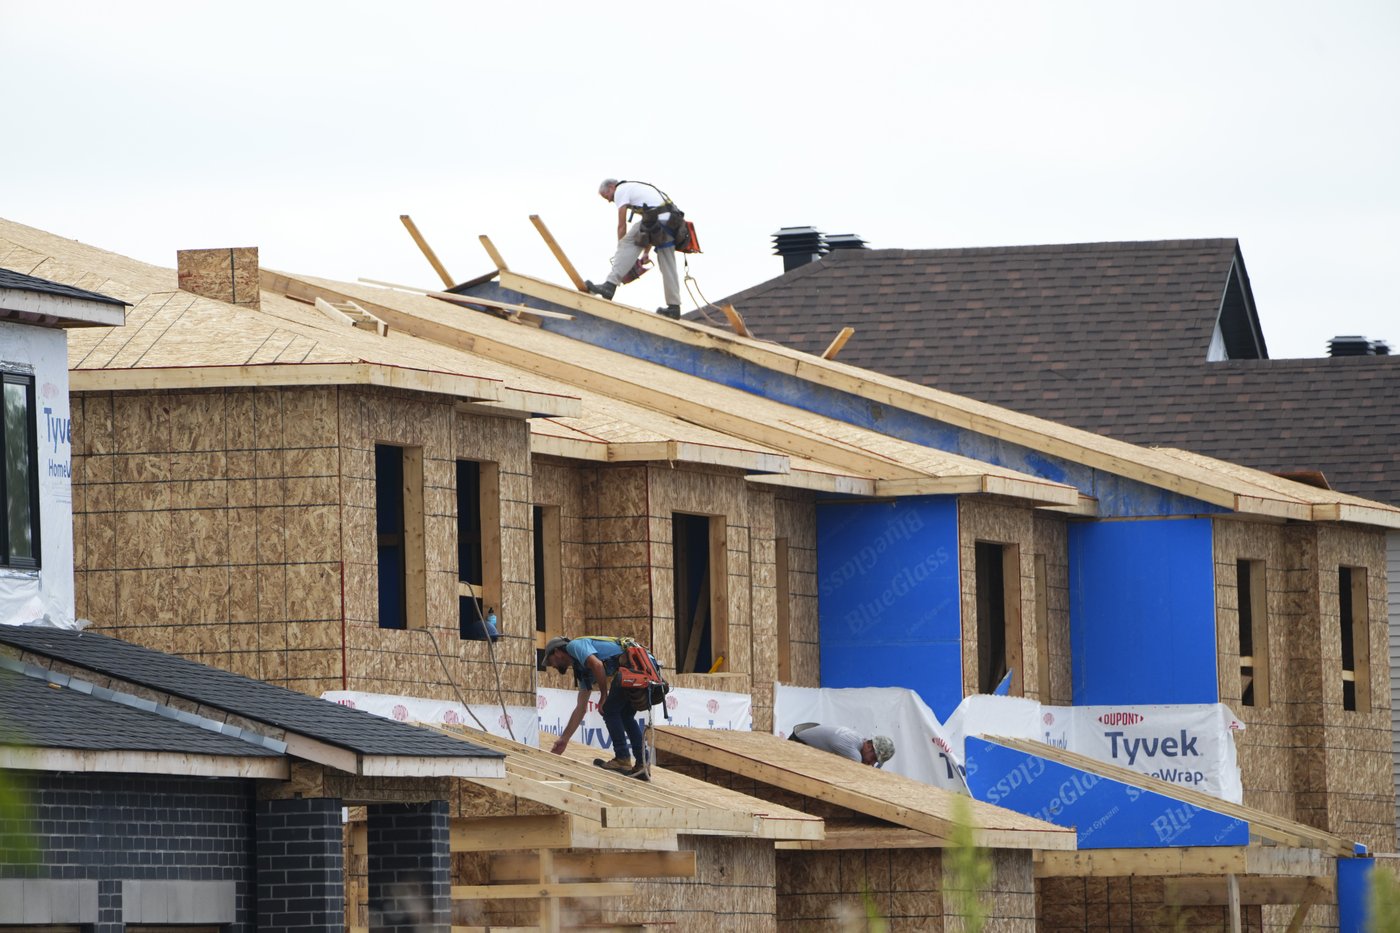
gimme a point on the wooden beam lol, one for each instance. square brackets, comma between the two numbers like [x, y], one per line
[837, 343]
[1206, 891]
[490, 892]
[494, 253]
[736, 321]
[1216, 861]
[493, 833]
[272, 767]
[1232, 898]
[1313, 896]
[461, 299]
[427, 250]
[558, 252]
[594, 866]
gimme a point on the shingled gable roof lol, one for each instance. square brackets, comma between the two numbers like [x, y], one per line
[365, 735]
[1108, 337]
[40, 718]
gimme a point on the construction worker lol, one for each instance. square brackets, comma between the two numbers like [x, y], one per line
[594, 662]
[845, 742]
[660, 224]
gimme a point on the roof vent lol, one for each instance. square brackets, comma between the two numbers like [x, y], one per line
[798, 246]
[1351, 346]
[1380, 347]
[844, 241]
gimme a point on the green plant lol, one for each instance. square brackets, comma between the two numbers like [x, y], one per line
[967, 870]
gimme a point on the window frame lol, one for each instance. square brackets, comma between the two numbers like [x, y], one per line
[31, 443]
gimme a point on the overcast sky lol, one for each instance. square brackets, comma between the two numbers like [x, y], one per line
[306, 128]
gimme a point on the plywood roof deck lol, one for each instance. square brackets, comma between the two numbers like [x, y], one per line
[883, 795]
[669, 801]
[596, 373]
[1244, 490]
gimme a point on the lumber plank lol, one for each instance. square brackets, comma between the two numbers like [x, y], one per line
[883, 795]
[1205, 891]
[558, 252]
[736, 320]
[461, 299]
[492, 833]
[426, 250]
[1261, 823]
[1111, 863]
[483, 892]
[494, 253]
[1313, 896]
[595, 866]
[837, 343]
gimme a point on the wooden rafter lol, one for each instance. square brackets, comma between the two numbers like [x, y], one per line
[558, 252]
[736, 321]
[837, 343]
[427, 250]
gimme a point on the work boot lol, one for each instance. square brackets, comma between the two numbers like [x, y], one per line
[623, 765]
[603, 290]
[671, 311]
[639, 771]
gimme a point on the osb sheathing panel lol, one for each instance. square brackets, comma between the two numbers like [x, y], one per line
[224, 274]
[795, 518]
[763, 606]
[1052, 543]
[904, 887]
[435, 661]
[983, 520]
[1338, 773]
[1072, 905]
[201, 526]
[560, 485]
[733, 891]
[724, 495]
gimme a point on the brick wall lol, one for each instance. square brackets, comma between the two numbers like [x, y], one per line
[300, 865]
[409, 867]
[110, 829]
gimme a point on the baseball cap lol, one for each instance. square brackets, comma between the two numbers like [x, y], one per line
[884, 749]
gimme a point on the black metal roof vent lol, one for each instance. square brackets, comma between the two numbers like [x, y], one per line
[798, 246]
[844, 241]
[1380, 347]
[1349, 346]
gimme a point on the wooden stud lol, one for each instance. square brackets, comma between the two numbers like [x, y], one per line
[415, 553]
[490, 892]
[1232, 910]
[784, 599]
[837, 343]
[593, 866]
[1313, 895]
[558, 252]
[427, 250]
[492, 252]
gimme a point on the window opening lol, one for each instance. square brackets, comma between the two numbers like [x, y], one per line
[998, 616]
[1356, 642]
[784, 609]
[478, 546]
[1252, 596]
[698, 591]
[548, 547]
[1042, 627]
[398, 507]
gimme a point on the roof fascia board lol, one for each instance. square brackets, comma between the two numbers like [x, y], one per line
[815, 481]
[143, 762]
[1063, 442]
[65, 310]
[434, 766]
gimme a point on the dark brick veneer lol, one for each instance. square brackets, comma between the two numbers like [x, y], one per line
[301, 865]
[114, 828]
[409, 867]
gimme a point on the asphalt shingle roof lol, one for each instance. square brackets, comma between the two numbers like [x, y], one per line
[286, 709]
[28, 283]
[36, 713]
[1107, 337]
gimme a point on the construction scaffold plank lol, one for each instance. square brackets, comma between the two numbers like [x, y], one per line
[884, 795]
[1276, 829]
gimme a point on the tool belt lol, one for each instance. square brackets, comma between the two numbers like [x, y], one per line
[672, 230]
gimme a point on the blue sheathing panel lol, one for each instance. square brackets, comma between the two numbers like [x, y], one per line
[1105, 814]
[887, 597]
[1117, 497]
[1142, 612]
[1354, 894]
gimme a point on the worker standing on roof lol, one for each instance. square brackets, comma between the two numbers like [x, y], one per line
[847, 743]
[660, 227]
[594, 661]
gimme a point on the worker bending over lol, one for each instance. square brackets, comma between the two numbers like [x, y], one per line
[660, 225]
[594, 662]
[847, 743]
